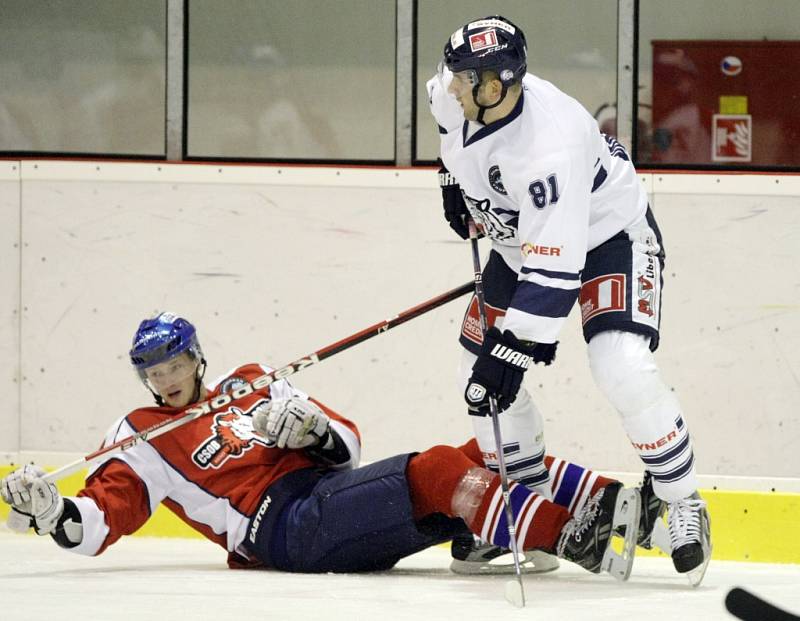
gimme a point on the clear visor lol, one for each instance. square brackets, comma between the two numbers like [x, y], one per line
[169, 373]
[457, 83]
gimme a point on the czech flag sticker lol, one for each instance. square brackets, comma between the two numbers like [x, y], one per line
[731, 65]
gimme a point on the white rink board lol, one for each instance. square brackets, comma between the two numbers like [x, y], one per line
[9, 304]
[187, 579]
[275, 270]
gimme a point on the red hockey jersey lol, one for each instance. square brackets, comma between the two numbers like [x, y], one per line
[210, 472]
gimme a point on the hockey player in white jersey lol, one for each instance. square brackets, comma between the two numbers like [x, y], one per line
[568, 222]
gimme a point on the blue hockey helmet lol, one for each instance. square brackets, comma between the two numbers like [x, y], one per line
[489, 44]
[161, 338]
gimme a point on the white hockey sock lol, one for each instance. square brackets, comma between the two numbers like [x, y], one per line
[625, 370]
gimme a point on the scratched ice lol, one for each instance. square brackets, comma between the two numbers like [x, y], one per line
[141, 578]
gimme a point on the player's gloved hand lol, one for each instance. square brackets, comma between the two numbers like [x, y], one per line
[34, 501]
[292, 423]
[20, 518]
[455, 210]
[499, 369]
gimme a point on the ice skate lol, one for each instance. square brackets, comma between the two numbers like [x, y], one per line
[586, 538]
[472, 556]
[652, 531]
[690, 537]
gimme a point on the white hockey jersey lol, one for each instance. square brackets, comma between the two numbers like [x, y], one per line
[546, 187]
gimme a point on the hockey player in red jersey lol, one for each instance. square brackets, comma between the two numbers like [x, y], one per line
[272, 478]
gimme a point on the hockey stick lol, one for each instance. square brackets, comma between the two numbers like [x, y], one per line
[515, 592]
[748, 607]
[221, 401]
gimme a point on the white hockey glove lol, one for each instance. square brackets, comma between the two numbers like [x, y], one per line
[292, 423]
[32, 499]
[20, 518]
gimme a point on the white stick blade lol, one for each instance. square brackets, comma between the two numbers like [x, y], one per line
[514, 593]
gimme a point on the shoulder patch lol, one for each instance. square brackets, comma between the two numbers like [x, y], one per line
[496, 181]
[232, 383]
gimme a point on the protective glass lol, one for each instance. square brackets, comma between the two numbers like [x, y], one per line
[171, 372]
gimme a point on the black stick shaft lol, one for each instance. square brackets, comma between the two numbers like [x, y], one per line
[498, 438]
[749, 607]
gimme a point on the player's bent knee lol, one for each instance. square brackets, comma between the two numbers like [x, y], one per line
[625, 370]
[439, 461]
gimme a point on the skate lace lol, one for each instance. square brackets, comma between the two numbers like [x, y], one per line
[579, 524]
[684, 521]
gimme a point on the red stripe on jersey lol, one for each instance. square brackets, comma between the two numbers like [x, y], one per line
[121, 495]
[496, 513]
[556, 478]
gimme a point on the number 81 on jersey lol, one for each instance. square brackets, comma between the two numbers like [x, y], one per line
[544, 193]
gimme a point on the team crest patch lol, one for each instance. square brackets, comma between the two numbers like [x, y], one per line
[483, 40]
[232, 383]
[604, 294]
[496, 223]
[496, 181]
[232, 436]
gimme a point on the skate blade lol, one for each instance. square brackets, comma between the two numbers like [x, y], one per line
[626, 514]
[696, 575]
[530, 562]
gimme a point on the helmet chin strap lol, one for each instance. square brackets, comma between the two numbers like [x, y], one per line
[482, 109]
[199, 373]
[159, 399]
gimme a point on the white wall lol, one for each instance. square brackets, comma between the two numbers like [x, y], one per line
[9, 303]
[274, 263]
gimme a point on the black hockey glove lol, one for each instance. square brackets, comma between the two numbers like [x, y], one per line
[455, 210]
[499, 369]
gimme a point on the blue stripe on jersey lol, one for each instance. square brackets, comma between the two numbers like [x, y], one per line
[534, 479]
[615, 148]
[512, 221]
[663, 458]
[510, 448]
[679, 422]
[569, 484]
[517, 498]
[523, 464]
[537, 299]
[551, 273]
[599, 178]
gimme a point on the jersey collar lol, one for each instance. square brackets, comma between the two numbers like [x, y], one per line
[487, 130]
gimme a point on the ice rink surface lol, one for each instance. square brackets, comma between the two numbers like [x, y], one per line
[187, 579]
